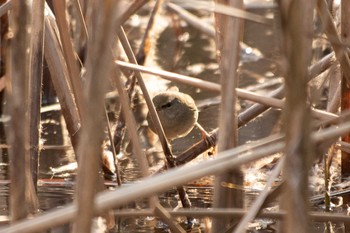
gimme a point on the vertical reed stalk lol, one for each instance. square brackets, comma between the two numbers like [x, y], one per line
[21, 189]
[229, 33]
[35, 82]
[98, 69]
[297, 26]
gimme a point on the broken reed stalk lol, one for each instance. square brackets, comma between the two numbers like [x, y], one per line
[228, 37]
[98, 68]
[297, 27]
[227, 160]
[22, 196]
[35, 82]
[167, 152]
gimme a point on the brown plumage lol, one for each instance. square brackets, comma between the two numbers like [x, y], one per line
[177, 112]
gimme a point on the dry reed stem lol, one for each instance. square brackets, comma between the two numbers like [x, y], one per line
[316, 69]
[98, 68]
[147, 187]
[297, 26]
[228, 36]
[258, 203]
[140, 155]
[256, 109]
[69, 54]
[334, 38]
[79, 84]
[158, 183]
[160, 211]
[132, 127]
[193, 20]
[223, 9]
[145, 43]
[164, 142]
[127, 48]
[59, 76]
[198, 148]
[132, 9]
[81, 18]
[236, 212]
[35, 82]
[210, 86]
[143, 51]
[130, 120]
[22, 196]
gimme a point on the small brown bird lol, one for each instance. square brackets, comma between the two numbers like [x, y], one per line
[177, 113]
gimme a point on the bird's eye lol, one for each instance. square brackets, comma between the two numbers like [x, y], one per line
[167, 105]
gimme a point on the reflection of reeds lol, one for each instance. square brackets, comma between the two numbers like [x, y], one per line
[82, 105]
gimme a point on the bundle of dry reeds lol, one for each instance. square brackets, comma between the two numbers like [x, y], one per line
[84, 60]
